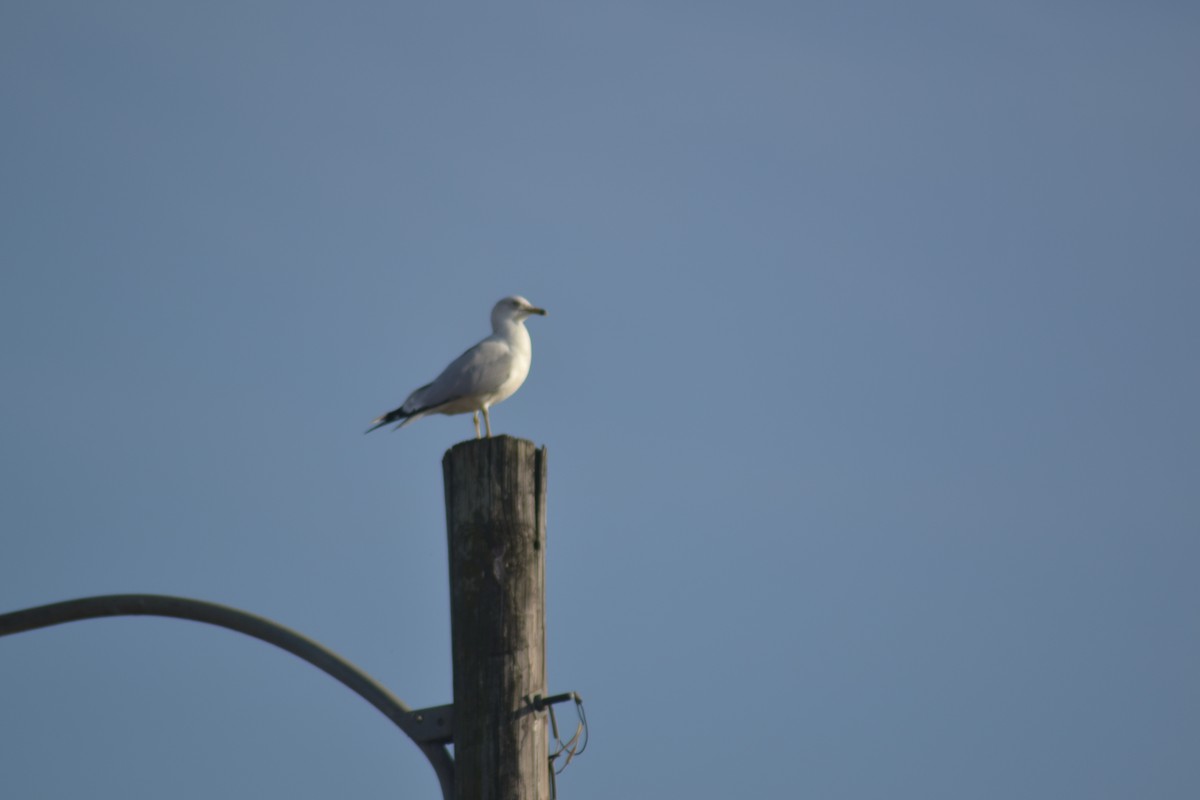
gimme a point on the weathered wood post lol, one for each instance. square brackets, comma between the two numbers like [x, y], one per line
[496, 529]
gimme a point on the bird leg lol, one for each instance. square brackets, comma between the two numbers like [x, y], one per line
[487, 421]
[475, 416]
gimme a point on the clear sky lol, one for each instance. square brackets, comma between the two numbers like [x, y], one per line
[869, 386]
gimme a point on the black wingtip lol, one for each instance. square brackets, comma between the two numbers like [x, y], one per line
[387, 419]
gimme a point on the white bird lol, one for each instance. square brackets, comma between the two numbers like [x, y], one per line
[481, 377]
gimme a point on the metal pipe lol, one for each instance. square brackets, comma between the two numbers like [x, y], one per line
[329, 662]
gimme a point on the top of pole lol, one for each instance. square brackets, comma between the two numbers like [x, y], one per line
[502, 440]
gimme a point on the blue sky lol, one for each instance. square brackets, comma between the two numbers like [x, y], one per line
[869, 386]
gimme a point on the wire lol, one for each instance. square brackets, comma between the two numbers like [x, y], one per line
[573, 746]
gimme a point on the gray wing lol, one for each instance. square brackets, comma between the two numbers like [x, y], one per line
[480, 371]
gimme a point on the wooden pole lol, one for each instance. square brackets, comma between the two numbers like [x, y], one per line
[496, 530]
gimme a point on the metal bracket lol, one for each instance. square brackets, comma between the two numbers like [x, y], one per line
[434, 725]
[542, 703]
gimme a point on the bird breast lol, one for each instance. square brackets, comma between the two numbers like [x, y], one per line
[517, 376]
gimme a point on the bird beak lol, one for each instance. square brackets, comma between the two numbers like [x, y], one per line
[541, 312]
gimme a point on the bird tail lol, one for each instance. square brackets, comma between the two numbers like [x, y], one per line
[388, 418]
[410, 411]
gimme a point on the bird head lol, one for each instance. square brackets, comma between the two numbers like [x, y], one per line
[514, 309]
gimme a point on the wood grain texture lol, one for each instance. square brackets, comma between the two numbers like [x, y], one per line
[496, 528]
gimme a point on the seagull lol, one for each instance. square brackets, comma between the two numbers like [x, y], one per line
[481, 377]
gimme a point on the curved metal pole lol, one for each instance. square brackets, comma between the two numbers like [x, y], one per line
[329, 662]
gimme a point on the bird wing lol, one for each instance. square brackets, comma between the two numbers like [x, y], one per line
[482, 370]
